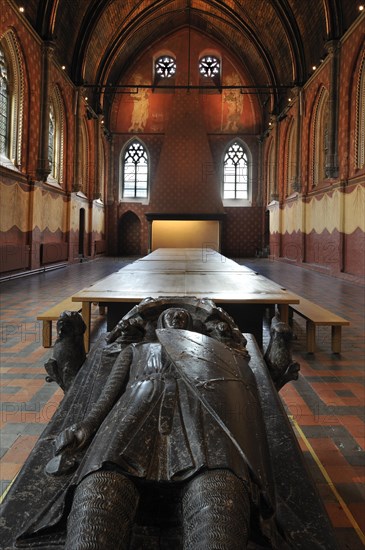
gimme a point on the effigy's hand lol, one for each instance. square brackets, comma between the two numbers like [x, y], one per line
[72, 438]
[116, 332]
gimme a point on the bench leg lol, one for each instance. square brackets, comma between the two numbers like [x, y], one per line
[336, 339]
[311, 337]
[47, 334]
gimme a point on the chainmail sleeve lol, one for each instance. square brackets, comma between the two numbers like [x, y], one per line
[115, 385]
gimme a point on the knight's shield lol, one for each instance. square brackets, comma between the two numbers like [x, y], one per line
[221, 378]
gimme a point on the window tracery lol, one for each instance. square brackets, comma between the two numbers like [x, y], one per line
[56, 136]
[360, 119]
[4, 105]
[235, 173]
[12, 101]
[320, 137]
[165, 67]
[135, 171]
[209, 66]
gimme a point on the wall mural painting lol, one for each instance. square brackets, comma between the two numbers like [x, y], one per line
[232, 105]
[140, 108]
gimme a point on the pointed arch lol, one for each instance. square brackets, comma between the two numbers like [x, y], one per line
[129, 235]
[236, 174]
[12, 86]
[291, 156]
[319, 135]
[84, 154]
[56, 137]
[360, 117]
[134, 171]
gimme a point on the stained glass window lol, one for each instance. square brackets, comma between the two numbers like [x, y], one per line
[4, 105]
[51, 137]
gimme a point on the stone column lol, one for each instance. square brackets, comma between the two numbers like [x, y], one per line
[43, 168]
[333, 49]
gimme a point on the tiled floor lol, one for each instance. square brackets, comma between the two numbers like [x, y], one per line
[326, 404]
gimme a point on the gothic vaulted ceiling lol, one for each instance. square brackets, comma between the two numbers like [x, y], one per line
[278, 41]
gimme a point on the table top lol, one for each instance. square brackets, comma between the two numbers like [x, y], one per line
[159, 274]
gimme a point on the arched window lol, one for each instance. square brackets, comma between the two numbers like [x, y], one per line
[4, 105]
[11, 101]
[135, 171]
[360, 119]
[51, 137]
[235, 173]
[56, 132]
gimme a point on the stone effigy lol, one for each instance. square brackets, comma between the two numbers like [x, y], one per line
[161, 442]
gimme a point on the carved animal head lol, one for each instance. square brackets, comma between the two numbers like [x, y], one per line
[281, 331]
[70, 323]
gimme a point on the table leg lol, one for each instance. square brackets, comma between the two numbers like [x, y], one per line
[336, 339]
[47, 334]
[86, 315]
[284, 313]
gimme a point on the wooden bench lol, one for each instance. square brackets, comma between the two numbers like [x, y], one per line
[319, 316]
[52, 315]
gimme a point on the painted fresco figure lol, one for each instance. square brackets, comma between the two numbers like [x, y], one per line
[234, 102]
[140, 107]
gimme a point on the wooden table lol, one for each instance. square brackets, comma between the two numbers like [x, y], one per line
[182, 272]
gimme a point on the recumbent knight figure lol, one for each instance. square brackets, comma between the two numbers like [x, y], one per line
[179, 414]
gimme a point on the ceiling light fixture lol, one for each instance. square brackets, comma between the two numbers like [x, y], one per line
[63, 67]
[314, 67]
[21, 9]
[361, 7]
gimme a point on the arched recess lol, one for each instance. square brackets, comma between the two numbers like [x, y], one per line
[291, 157]
[319, 136]
[56, 137]
[15, 90]
[129, 235]
[360, 117]
[84, 157]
